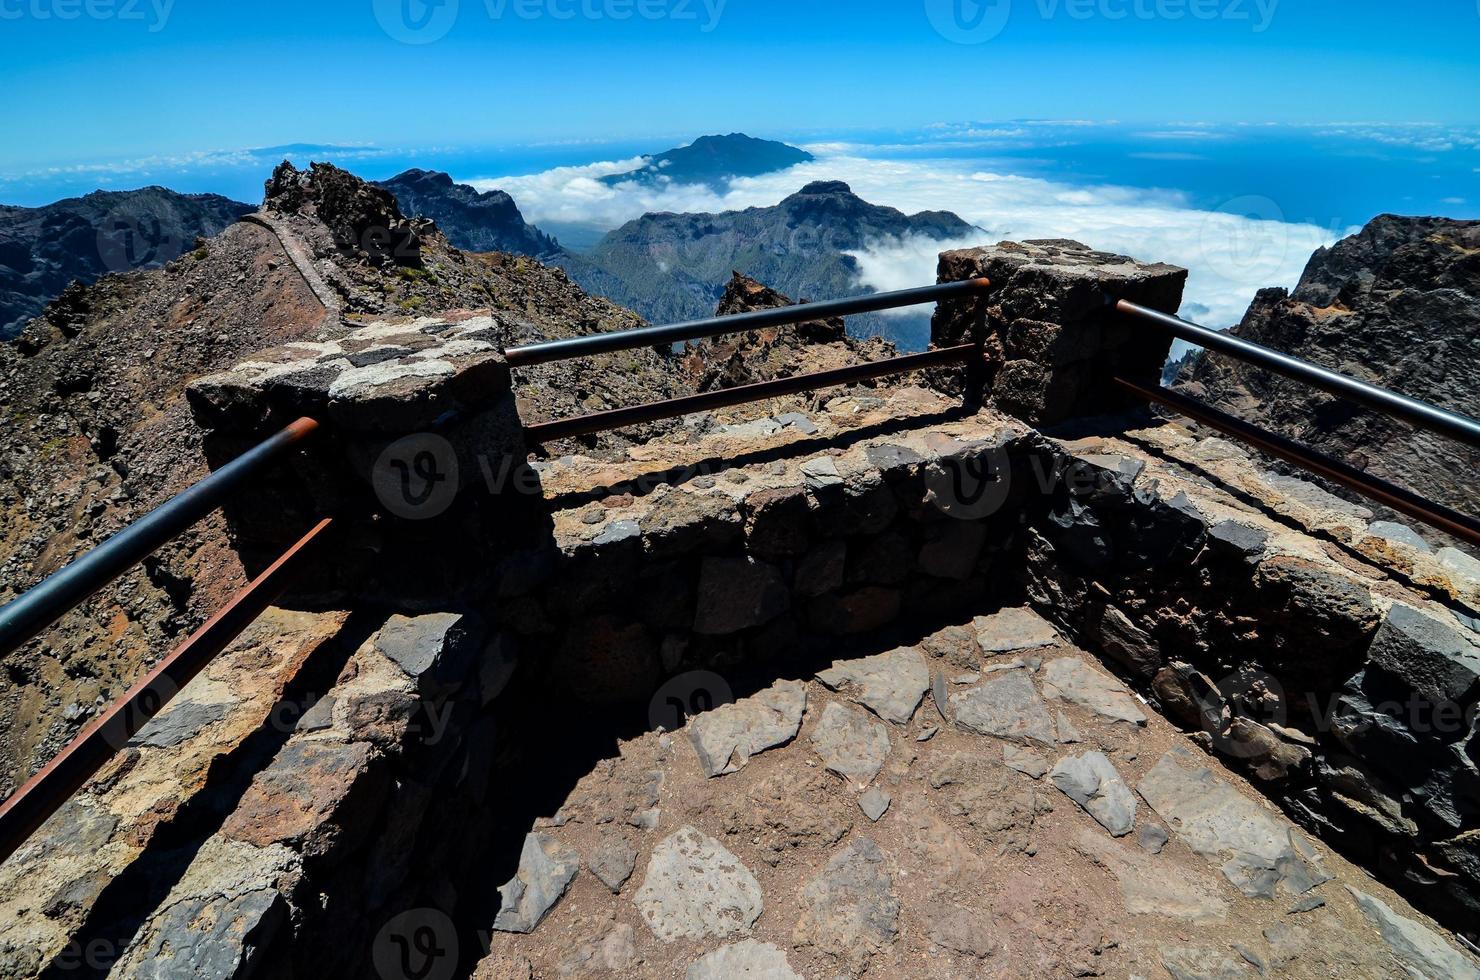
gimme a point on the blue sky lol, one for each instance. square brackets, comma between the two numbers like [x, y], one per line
[98, 79]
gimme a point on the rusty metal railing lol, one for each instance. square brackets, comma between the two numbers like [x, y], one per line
[1455, 426]
[717, 326]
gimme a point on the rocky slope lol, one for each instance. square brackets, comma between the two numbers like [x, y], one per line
[1397, 305]
[778, 352]
[487, 221]
[98, 432]
[672, 267]
[43, 250]
[713, 161]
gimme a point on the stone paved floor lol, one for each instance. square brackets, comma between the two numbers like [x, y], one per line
[1044, 824]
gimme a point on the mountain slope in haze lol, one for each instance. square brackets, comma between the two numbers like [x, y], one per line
[1397, 305]
[474, 221]
[671, 267]
[43, 250]
[713, 160]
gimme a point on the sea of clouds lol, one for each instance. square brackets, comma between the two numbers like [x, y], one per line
[1231, 252]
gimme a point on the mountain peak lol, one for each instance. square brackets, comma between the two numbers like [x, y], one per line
[713, 161]
[826, 187]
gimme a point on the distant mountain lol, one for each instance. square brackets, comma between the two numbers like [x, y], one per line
[42, 250]
[713, 160]
[489, 221]
[672, 267]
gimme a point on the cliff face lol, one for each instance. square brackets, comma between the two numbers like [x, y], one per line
[1397, 305]
[43, 250]
[672, 267]
[489, 221]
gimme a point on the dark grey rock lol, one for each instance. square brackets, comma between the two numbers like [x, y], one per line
[613, 861]
[728, 736]
[1420, 950]
[747, 958]
[694, 888]
[850, 742]
[891, 685]
[736, 594]
[1128, 643]
[874, 804]
[1007, 705]
[1434, 660]
[546, 869]
[435, 650]
[1238, 540]
[1093, 782]
[849, 909]
[1401, 533]
[181, 721]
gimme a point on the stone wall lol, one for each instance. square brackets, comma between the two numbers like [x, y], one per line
[1335, 660]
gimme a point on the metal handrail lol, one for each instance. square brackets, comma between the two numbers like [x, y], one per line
[25, 617]
[44, 793]
[620, 418]
[1458, 427]
[1432, 513]
[604, 343]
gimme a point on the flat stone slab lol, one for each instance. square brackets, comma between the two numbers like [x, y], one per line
[1152, 887]
[1071, 679]
[1421, 950]
[1024, 760]
[1014, 629]
[747, 958]
[1093, 782]
[695, 888]
[393, 375]
[1258, 849]
[728, 736]
[850, 909]
[546, 868]
[1007, 705]
[851, 743]
[891, 685]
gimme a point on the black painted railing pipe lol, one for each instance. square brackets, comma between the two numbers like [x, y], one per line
[26, 616]
[673, 333]
[1461, 428]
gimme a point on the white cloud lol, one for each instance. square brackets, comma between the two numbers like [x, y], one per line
[1231, 252]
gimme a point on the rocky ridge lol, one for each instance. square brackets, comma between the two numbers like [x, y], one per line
[1397, 305]
[45, 250]
[672, 267]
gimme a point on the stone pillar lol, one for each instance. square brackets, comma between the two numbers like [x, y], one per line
[421, 453]
[1051, 338]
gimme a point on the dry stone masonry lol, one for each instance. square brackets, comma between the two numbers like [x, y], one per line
[874, 684]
